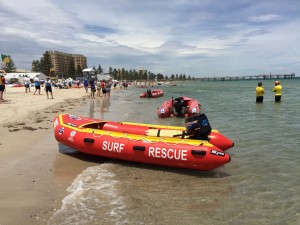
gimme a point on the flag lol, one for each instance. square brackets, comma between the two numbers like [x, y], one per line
[5, 58]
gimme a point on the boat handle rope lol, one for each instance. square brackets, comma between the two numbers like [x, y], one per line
[144, 138]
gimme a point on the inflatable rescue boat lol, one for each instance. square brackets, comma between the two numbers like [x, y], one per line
[181, 107]
[145, 143]
[152, 93]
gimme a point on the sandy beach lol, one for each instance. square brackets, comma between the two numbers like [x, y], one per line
[34, 175]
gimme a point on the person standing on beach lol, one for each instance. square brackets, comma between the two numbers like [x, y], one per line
[37, 85]
[103, 87]
[48, 87]
[78, 83]
[27, 83]
[2, 87]
[98, 85]
[108, 88]
[86, 85]
[259, 93]
[92, 86]
[70, 82]
[277, 89]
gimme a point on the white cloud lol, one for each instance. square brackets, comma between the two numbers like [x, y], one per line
[265, 18]
[170, 37]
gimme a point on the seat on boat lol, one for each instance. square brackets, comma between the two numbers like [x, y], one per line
[112, 126]
[163, 133]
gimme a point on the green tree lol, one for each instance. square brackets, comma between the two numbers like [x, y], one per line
[151, 76]
[36, 66]
[43, 65]
[46, 63]
[79, 71]
[110, 71]
[10, 67]
[100, 70]
[160, 76]
[71, 69]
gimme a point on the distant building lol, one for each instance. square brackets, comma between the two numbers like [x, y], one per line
[79, 60]
[61, 62]
[142, 71]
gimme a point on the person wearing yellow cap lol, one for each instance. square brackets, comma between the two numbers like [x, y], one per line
[260, 93]
[277, 89]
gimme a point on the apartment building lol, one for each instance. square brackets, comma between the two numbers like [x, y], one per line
[61, 62]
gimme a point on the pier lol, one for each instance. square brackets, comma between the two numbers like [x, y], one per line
[251, 77]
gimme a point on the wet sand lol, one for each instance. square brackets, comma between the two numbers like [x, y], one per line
[34, 175]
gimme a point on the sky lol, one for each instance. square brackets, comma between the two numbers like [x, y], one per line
[198, 38]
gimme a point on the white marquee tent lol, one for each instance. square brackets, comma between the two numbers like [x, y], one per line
[18, 77]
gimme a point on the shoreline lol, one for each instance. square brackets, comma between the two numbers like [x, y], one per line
[34, 174]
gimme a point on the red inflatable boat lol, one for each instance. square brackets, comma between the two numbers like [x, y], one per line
[152, 93]
[182, 107]
[144, 143]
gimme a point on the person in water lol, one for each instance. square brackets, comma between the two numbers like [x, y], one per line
[277, 89]
[149, 93]
[259, 93]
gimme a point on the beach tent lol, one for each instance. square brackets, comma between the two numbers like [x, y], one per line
[18, 77]
[103, 77]
[88, 73]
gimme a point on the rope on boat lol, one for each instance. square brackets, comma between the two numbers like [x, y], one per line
[144, 139]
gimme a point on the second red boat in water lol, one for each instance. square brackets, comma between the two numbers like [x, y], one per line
[152, 93]
[181, 107]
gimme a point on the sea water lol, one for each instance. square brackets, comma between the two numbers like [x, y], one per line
[260, 185]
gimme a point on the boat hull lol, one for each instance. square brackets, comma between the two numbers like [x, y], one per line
[81, 134]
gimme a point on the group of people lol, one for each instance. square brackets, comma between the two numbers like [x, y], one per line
[260, 92]
[38, 84]
[97, 87]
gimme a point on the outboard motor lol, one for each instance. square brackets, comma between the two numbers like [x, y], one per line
[198, 126]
